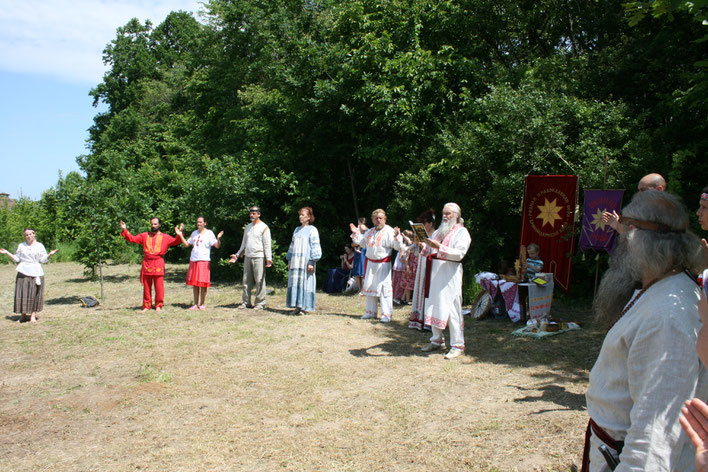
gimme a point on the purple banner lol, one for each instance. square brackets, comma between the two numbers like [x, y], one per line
[595, 233]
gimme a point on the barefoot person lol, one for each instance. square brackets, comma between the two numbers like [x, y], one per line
[199, 272]
[155, 245]
[29, 283]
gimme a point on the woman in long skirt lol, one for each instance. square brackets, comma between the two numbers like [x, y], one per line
[416, 319]
[302, 255]
[29, 284]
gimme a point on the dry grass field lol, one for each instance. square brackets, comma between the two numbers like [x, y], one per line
[113, 389]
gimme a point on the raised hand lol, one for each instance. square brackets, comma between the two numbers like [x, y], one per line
[354, 228]
[611, 218]
[694, 420]
[218, 236]
[122, 225]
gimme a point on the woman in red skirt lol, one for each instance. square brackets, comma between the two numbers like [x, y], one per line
[199, 273]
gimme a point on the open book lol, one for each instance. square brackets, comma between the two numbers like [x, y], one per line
[419, 231]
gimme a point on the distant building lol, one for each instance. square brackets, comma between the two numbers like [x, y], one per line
[6, 201]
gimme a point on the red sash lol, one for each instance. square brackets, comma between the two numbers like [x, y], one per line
[376, 261]
[602, 436]
[428, 270]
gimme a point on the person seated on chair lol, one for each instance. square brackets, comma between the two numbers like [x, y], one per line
[337, 278]
[533, 263]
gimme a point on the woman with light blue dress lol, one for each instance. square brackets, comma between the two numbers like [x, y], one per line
[302, 255]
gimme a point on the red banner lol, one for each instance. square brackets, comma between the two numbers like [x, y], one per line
[548, 220]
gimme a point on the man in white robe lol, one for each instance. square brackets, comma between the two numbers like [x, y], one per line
[443, 303]
[648, 365]
[379, 242]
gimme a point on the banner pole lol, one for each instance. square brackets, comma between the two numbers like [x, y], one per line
[597, 259]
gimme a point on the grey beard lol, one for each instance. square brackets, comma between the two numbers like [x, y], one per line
[444, 228]
[617, 286]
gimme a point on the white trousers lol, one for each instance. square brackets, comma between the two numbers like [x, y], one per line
[386, 304]
[456, 325]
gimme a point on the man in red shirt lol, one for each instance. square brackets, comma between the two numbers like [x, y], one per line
[155, 245]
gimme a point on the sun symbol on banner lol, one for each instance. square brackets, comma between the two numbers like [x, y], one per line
[597, 220]
[550, 212]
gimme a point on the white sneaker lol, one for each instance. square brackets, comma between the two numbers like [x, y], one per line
[368, 316]
[453, 353]
[431, 347]
[242, 306]
[385, 319]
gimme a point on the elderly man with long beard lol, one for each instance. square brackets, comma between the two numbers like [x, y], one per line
[379, 242]
[443, 289]
[647, 366]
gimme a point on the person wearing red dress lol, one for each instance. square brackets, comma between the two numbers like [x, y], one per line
[155, 244]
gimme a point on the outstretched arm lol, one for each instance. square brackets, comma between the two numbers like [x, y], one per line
[10, 255]
[129, 237]
[180, 235]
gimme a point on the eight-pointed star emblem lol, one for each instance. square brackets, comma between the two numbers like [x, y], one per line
[597, 220]
[550, 212]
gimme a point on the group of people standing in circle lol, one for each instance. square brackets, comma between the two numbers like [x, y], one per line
[255, 249]
[370, 262]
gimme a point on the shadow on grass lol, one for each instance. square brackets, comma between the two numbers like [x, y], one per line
[404, 341]
[345, 315]
[389, 349]
[20, 318]
[175, 275]
[570, 355]
[111, 279]
[233, 305]
[72, 300]
[554, 394]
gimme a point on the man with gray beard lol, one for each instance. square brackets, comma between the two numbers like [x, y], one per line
[648, 365]
[443, 283]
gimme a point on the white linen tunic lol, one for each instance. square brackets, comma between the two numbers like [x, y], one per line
[647, 368]
[201, 245]
[30, 259]
[379, 244]
[445, 297]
